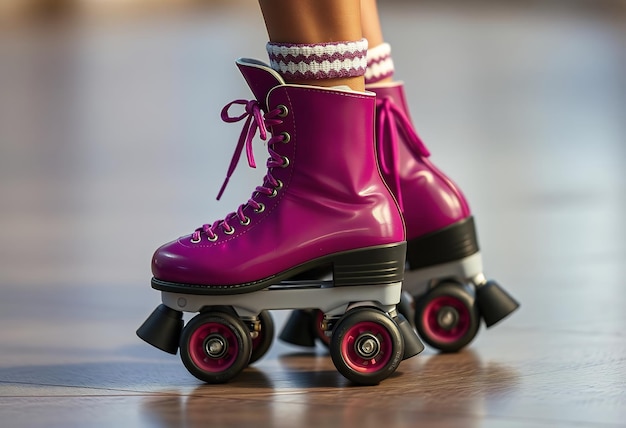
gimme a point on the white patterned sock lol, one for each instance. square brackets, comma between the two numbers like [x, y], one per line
[319, 60]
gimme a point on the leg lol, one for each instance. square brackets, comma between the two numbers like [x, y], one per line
[370, 21]
[314, 22]
[442, 241]
[379, 64]
[437, 216]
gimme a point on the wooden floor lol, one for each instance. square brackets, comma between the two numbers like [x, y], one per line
[111, 144]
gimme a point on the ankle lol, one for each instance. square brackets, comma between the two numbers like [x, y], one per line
[354, 83]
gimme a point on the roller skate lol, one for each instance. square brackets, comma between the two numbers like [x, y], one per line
[445, 293]
[322, 204]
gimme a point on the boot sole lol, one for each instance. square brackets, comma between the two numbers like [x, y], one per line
[379, 265]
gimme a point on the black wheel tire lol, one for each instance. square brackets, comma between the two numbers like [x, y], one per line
[215, 346]
[262, 343]
[447, 317]
[366, 346]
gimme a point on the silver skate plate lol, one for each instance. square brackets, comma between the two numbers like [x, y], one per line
[293, 295]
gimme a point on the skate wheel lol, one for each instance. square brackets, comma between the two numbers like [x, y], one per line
[215, 347]
[366, 346]
[447, 317]
[261, 344]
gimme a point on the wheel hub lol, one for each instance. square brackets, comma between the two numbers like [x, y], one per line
[215, 346]
[447, 317]
[367, 346]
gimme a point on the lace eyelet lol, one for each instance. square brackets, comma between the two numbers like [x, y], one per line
[213, 239]
[284, 111]
[245, 222]
[195, 241]
[286, 137]
[260, 209]
[285, 162]
[279, 185]
[229, 231]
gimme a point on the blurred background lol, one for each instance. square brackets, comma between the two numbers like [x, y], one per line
[111, 142]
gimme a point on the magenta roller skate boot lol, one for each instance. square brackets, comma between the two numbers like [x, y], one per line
[445, 291]
[322, 202]
[447, 282]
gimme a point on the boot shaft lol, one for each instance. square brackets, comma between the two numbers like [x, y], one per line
[429, 199]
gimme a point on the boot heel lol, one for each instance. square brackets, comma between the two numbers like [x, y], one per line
[371, 266]
[449, 244]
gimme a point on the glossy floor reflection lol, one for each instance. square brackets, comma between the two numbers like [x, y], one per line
[111, 144]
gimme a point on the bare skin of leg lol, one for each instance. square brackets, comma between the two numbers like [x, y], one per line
[315, 21]
[370, 22]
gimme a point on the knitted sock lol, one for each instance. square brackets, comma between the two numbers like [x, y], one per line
[379, 64]
[319, 60]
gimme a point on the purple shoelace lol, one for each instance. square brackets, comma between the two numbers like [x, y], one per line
[390, 119]
[255, 120]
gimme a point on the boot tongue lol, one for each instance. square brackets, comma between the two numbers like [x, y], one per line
[260, 77]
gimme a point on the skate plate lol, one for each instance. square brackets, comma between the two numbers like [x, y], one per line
[468, 269]
[322, 295]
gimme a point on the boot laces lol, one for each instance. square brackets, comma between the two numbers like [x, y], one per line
[254, 120]
[392, 121]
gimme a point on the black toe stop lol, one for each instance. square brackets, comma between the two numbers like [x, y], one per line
[162, 329]
[494, 303]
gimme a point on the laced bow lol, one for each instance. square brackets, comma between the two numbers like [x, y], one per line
[391, 120]
[255, 120]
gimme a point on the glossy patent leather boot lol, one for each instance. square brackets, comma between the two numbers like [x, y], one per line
[322, 202]
[450, 289]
